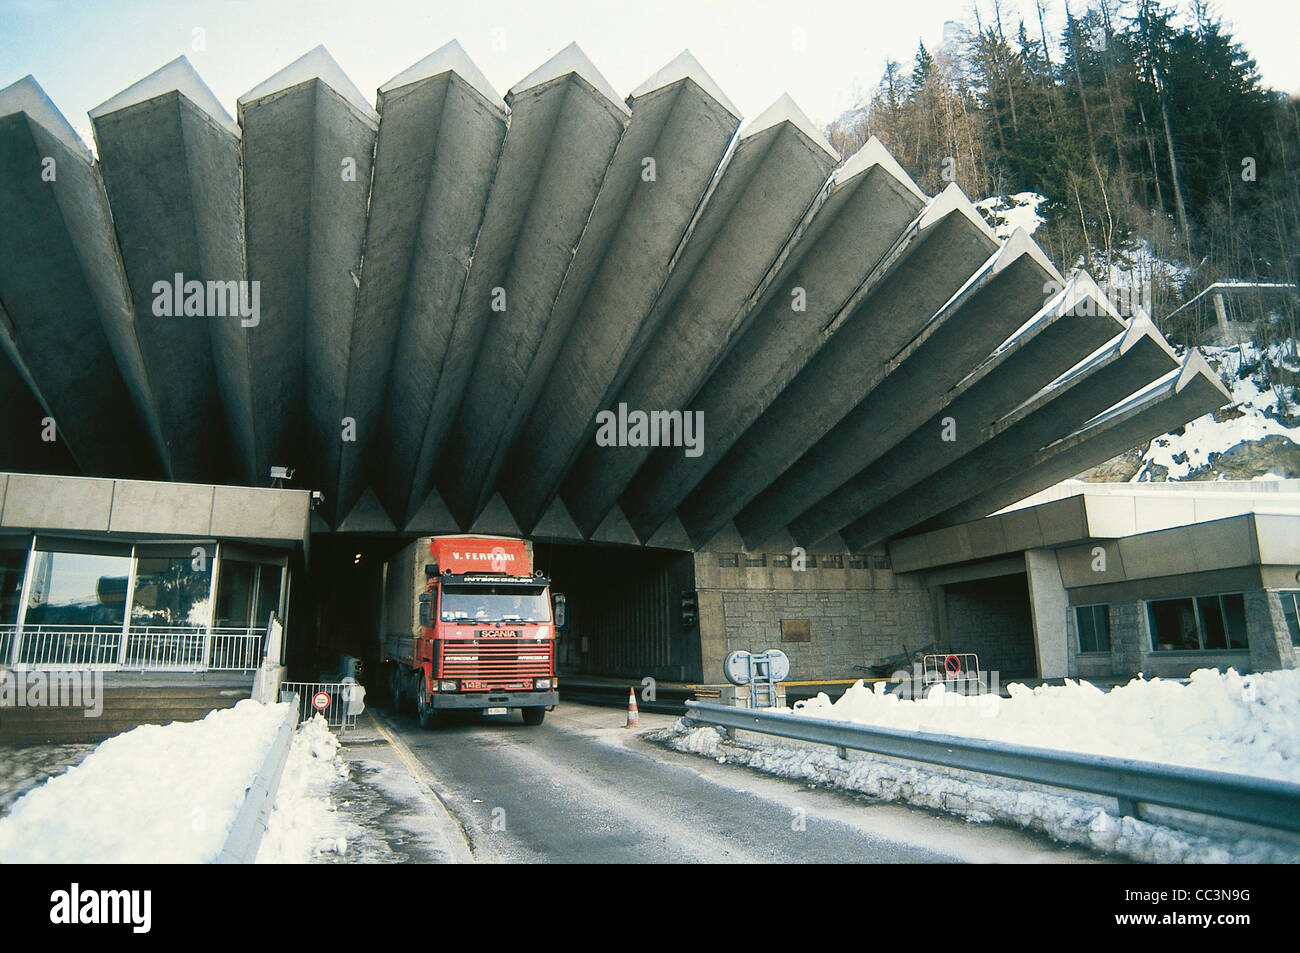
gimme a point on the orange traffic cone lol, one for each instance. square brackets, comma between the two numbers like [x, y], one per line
[633, 716]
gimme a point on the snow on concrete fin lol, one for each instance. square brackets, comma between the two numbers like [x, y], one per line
[1083, 286]
[785, 110]
[496, 518]
[319, 65]
[686, 66]
[615, 528]
[177, 76]
[367, 516]
[556, 523]
[432, 517]
[1020, 243]
[571, 59]
[953, 199]
[26, 96]
[1140, 326]
[1195, 365]
[875, 154]
[671, 535]
[450, 58]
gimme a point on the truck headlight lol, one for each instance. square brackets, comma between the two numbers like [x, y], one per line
[542, 684]
[446, 686]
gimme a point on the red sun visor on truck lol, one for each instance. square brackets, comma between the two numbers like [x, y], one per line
[465, 555]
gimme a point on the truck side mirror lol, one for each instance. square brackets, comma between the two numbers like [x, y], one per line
[561, 611]
[426, 605]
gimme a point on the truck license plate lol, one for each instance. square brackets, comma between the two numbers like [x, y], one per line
[498, 711]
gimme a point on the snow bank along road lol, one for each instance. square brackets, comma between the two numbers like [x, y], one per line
[581, 788]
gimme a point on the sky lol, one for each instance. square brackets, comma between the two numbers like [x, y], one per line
[824, 54]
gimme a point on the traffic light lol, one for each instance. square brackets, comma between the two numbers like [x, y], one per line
[690, 609]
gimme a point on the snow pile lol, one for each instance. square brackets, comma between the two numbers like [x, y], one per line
[1257, 409]
[305, 822]
[1006, 214]
[1241, 724]
[156, 794]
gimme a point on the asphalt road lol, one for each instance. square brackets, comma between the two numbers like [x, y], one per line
[583, 789]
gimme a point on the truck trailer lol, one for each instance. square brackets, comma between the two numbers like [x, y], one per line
[468, 624]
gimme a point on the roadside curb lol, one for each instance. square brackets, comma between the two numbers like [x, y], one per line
[460, 848]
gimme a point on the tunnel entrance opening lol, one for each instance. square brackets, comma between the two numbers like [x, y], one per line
[624, 606]
[992, 618]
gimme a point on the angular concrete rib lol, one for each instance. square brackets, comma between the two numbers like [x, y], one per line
[778, 168]
[562, 238]
[565, 98]
[998, 299]
[1167, 404]
[1006, 448]
[869, 203]
[1074, 324]
[936, 256]
[21, 446]
[451, 125]
[64, 307]
[169, 156]
[684, 122]
[309, 139]
[440, 128]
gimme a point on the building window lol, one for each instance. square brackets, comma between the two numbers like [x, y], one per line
[857, 562]
[247, 593]
[755, 560]
[780, 561]
[77, 588]
[796, 630]
[1200, 624]
[879, 562]
[1291, 610]
[833, 562]
[173, 587]
[13, 564]
[810, 562]
[728, 560]
[1093, 625]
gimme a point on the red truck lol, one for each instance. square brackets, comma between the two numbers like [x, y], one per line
[468, 625]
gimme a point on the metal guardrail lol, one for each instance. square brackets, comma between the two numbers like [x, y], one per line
[1262, 801]
[250, 823]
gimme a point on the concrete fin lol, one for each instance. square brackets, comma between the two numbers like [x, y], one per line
[785, 110]
[950, 200]
[26, 96]
[556, 523]
[671, 535]
[1195, 365]
[1141, 326]
[868, 157]
[450, 58]
[685, 66]
[496, 519]
[571, 59]
[615, 528]
[177, 76]
[432, 517]
[367, 516]
[779, 542]
[727, 540]
[318, 524]
[315, 64]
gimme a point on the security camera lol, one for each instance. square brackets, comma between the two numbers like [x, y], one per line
[317, 498]
[281, 473]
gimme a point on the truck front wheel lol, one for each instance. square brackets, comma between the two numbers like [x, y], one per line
[427, 714]
[533, 716]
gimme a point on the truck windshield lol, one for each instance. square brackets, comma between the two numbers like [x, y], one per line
[495, 604]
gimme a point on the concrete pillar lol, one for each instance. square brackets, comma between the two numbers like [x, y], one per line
[1049, 607]
[1267, 633]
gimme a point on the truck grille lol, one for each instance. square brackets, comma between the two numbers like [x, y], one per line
[497, 662]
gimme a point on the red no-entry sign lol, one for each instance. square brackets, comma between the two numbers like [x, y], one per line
[953, 664]
[320, 701]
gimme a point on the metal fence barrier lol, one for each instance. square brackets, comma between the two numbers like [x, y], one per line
[339, 696]
[146, 647]
[1262, 801]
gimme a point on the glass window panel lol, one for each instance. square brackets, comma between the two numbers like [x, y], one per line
[234, 593]
[171, 591]
[1234, 618]
[1291, 609]
[13, 563]
[1101, 625]
[1212, 631]
[1087, 635]
[77, 589]
[268, 594]
[1173, 625]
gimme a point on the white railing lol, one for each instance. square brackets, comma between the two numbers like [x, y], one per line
[146, 648]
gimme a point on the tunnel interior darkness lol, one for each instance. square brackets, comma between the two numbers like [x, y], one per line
[624, 606]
